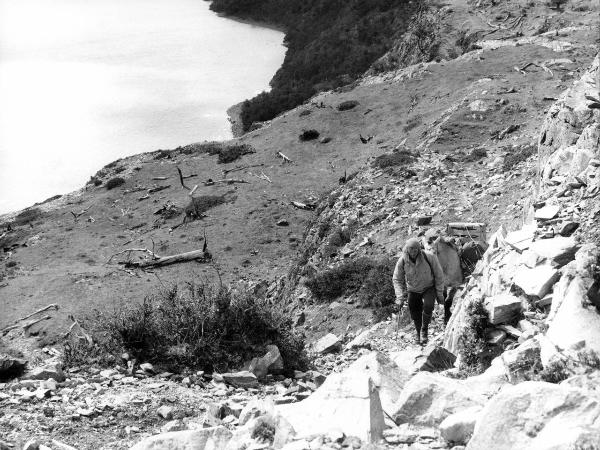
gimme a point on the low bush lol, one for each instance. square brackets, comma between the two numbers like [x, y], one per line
[412, 123]
[230, 153]
[114, 182]
[475, 155]
[349, 104]
[387, 160]
[309, 135]
[27, 216]
[472, 346]
[199, 205]
[370, 279]
[198, 326]
[517, 156]
[555, 372]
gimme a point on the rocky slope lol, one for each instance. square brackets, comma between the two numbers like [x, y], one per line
[536, 182]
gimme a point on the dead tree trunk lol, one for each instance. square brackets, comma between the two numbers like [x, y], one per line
[166, 260]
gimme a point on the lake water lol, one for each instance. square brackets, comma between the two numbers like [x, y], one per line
[84, 82]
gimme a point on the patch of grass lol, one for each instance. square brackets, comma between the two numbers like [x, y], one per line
[517, 156]
[199, 205]
[370, 279]
[475, 155]
[231, 153]
[198, 326]
[472, 347]
[27, 216]
[387, 160]
[555, 372]
[349, 104]
[412, 123]
[114, 182]
[309, 135]
[465, 41]
[264, 432]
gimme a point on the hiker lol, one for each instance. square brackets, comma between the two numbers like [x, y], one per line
[448, 255]
[418, 278]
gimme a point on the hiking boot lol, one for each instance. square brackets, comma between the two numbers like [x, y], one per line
[418, 339]
[425, 329]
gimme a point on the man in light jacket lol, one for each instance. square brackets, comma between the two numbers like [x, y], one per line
[418, 278]
[449, 257]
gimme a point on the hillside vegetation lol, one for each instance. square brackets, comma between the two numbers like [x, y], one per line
[330, 43]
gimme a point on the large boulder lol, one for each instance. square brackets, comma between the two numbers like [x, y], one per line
[327, 344]
[558, 251]
[435, 359]
[538, 415]
[537, 281]
[387, 377]
[215, 438]
[458, 427]
[428, 398]
[53, 371]
[346, 401]
[271, 362]
[522, 360]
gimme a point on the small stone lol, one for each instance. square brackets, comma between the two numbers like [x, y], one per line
[547, 212]
[147, 367]
[282, 223]
[244, 379]
[166, 412]
[424, 220]
[31, 445]
[327, 344]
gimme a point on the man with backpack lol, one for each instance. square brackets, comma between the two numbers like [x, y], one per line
[418, 279]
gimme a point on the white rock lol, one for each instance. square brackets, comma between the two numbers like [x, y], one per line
[559, 250]
[208, 438]
[547, 212]
[538, 415]
[166, 412]
[458, 427]
[327, 344]
[428, 398]
[537, 282]
[503, 308]
[349, 402]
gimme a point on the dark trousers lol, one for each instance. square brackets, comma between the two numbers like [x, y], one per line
[449, 294]
[420, 305]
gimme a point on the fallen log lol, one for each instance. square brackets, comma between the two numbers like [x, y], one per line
[284, 158]
[181, 179]
[172, 259]
[300, 205]
[45, 308]
[158, 189]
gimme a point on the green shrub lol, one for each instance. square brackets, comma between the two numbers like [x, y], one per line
[197, 327]
[472, 345]
[399, 158]
[412, 123]
[349, 104]
[114, 182]
[27, 216]
[309, 135]
[370, 279]
[199, 205]
[264, 432]
[230, 153]
[518, 155]
[555, 372]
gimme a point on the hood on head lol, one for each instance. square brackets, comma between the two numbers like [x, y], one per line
[412, 243]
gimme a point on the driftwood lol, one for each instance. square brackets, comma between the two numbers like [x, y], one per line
[301, 205]
[130, 250]
[225, 181]
[33, 322]
[262, 176]
[284, 158]
[160, 178]
[181, 179]
[191, 193]
[237, 169]
[541, 66]
[45, 308]
[76, 216]
[172, 259]
[158, 189]
[80, 329]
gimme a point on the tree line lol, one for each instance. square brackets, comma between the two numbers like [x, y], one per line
[330, 43]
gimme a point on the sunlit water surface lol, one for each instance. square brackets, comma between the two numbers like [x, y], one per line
[84, 82]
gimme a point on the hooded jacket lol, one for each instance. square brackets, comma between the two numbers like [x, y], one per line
[417, 276]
